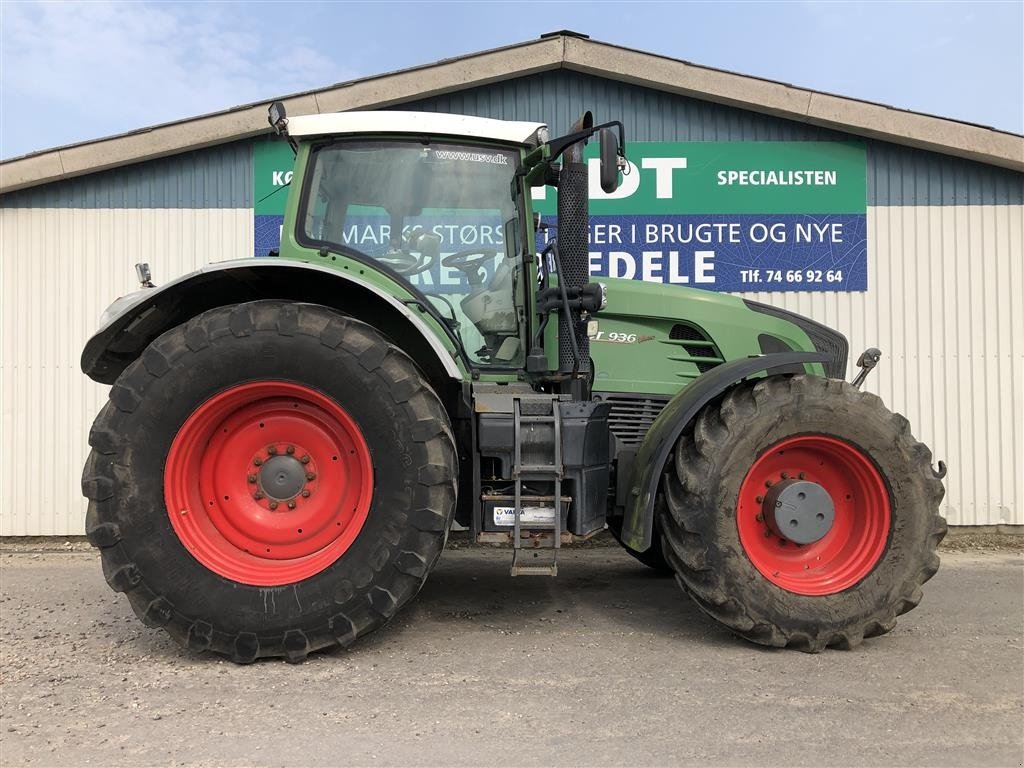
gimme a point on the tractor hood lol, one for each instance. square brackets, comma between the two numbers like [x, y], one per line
[663, 300]
[655, 338]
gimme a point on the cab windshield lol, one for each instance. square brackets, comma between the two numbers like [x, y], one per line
[444, 217]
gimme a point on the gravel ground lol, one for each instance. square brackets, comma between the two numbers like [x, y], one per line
[605, 665]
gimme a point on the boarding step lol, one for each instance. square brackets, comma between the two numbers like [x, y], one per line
[522, 565]
[538, 469]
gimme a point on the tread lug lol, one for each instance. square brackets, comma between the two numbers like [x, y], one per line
[200, 635]
[158, 613]
[296, 646]
[102, 535]
[245, 648]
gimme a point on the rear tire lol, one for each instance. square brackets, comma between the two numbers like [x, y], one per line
[346, 413]
[862, 574]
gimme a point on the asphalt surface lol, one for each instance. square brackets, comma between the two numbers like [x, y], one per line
[605, 665]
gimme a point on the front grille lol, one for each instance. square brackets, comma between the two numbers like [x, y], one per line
[700, 345]
[632, 415]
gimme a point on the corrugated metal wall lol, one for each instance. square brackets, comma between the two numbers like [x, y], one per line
[59, 269]
[944, 306]
[945, 271]
[219, 177]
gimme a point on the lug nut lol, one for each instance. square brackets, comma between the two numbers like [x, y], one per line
[305, 493]
[760, 499]
[290, 450]
[257, 461]
[310, 476]
[767, 483]
[767, 534]
[273, 505]
[291, 505]
[251, 478]
[785, 475]
[305, 459]
[258, 496]
[272, 449]
[760, 518]
[802, 475]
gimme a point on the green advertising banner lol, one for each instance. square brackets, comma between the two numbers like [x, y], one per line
[727, 216]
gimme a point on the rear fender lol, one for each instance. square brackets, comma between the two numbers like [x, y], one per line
[132, 322]
[654, 451]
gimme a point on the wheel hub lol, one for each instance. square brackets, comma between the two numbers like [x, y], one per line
[799, 510]
[281, 478]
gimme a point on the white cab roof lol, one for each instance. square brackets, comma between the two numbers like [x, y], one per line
[433, 123]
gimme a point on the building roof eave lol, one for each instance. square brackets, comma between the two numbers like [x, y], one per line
[570, 51]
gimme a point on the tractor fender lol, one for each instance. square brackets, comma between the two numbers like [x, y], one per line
[129, 324]
[638, 525]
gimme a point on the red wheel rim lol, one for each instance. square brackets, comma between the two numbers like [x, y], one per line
[268, 483]
[860, 530]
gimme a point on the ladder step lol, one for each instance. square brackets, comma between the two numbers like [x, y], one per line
[537, 538]
[554, 472]
[539, 468]
[524, 497]
[550, 569]
[522, 565]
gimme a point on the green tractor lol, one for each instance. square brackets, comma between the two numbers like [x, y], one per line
[289, 439]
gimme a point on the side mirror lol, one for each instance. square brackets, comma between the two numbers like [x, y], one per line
[277, 117]
[609, 160]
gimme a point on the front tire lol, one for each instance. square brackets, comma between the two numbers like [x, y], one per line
[270, 479]
[734, 557]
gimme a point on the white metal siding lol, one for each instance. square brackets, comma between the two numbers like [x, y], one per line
[59, 269]
[945, 304]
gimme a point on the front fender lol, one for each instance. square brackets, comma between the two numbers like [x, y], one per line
[133, 321]
[654, 451]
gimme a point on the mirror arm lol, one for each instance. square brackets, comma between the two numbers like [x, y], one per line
[559, 145]
[536, 167]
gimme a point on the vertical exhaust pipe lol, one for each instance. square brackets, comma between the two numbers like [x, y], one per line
[573, 249]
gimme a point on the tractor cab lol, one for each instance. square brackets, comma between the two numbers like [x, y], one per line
[445, 216]
[440, 203]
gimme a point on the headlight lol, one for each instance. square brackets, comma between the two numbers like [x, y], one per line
[121, 305]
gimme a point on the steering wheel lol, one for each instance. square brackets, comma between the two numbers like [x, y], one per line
[469, 262]
[405, 263]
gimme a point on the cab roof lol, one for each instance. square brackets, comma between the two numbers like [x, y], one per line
[419, 123]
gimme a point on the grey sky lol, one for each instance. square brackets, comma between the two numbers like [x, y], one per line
[76, 71]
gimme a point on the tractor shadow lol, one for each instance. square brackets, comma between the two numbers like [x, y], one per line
[598, 590]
